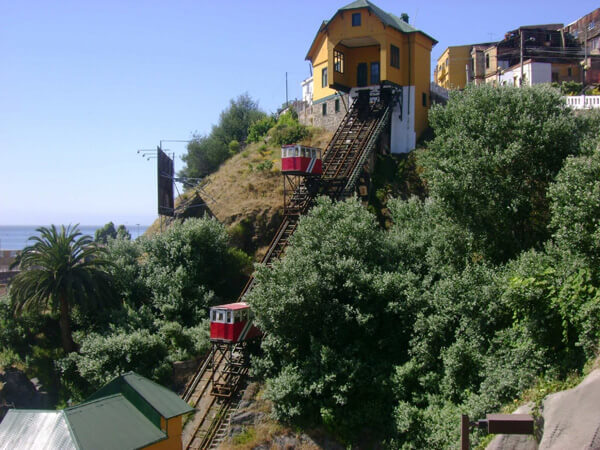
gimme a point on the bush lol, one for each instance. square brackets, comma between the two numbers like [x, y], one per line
[494, 153]
[259, 129]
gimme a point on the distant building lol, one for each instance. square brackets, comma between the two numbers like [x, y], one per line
[531, 45]
[547, 54]
[363, 48]
[586, 30]
[130, 412]
[307, 90]
[459, 65]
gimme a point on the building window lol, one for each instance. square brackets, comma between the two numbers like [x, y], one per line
[338, 61]
[337, 105]
[324, 77]
[424, 99]
[356, 19]
[569, 72]
[487, 61]
[394, 56]
[324, 109]
[374, 73]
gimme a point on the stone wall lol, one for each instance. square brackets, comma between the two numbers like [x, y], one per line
[312, 115]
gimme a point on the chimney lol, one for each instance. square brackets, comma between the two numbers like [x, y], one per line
[404, 17]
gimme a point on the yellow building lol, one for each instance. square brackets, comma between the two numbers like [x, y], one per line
[364, 47]
[453, 66]
[130, 412]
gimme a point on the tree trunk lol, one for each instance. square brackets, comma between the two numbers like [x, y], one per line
[65, 326]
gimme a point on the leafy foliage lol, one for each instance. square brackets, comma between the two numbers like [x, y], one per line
[494, 153]
[288, 130]
[206, 153]
[468, 298]
[259, 129]
[61, 269]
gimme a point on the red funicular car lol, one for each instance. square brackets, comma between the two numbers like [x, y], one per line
[232, 323]
[298, 159]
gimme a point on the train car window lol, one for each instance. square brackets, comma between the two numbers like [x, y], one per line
[297, 152]
[229, 319]
[220, 316]
[214, 315]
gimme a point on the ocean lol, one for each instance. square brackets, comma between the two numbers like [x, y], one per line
[14, 237]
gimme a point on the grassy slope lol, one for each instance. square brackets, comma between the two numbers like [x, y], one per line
[246, 199]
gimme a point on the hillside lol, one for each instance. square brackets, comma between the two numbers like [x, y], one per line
[245, 194]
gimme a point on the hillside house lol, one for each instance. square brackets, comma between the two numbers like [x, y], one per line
[130, 412]
[461, 64]
[364, 48]
[586, 30]
[547, 54]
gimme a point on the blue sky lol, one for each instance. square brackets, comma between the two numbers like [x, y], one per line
[84, 84]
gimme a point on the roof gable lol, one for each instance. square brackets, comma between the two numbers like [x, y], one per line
[111, 422]
[152, 399]
[44, 430]
[386, 18]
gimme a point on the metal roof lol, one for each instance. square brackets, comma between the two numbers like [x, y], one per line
[31, 429]
[139, 390]
[239, 305]
[111, 422]
[386, 18]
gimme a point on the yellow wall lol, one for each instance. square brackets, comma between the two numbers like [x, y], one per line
[490, 72]
[421, 68]
[563, 71]
[451, 73]
[173, 428]
[415, 46]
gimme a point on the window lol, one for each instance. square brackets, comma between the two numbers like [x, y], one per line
[337, 105]
[374, 73]
[569, 72]
[394, 56]
[324, 109]
[324, 77]
[338, 61]
[487, 61]
[356, 19]
[424, 99]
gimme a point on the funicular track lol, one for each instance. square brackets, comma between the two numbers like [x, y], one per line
[344, 158]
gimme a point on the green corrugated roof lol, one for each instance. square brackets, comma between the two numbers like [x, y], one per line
[111, 422]
[387, 18]
[160, 399]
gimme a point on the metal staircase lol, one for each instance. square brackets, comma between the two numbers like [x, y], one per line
[344, 158]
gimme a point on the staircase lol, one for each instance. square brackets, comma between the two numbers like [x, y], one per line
[344, 158]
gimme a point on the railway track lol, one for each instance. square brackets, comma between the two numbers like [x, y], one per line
[346, 154]
[198, 396]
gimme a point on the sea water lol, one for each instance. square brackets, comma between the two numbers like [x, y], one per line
[15, 237]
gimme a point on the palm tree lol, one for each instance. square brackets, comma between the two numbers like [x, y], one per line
[62, 268]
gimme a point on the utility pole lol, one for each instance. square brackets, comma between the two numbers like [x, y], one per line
[286, 91]
[521, 46]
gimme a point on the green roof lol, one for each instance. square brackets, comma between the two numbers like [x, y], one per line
[111, 422]
[148, 396]
[387, 18]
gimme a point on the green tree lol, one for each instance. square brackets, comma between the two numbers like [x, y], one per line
[61, 269]
[334, 322]
[259, 129]
[107, 231]
[123, 233]
[575, 205]
[494, 154]
[206, 153]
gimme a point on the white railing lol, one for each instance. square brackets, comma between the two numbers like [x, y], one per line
[583, 101]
